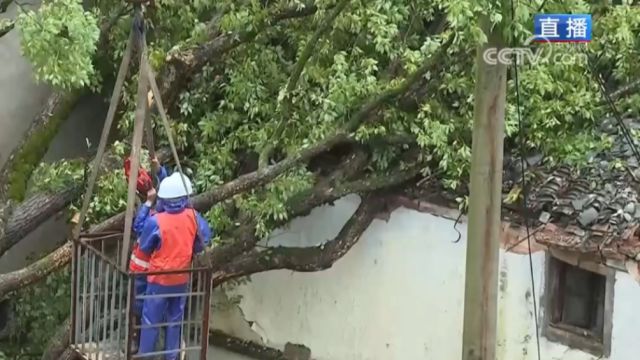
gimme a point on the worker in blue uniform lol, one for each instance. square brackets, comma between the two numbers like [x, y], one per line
[170, 237]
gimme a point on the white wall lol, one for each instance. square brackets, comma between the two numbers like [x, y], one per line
[398, 294]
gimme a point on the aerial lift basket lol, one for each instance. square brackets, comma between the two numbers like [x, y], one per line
[103, 305]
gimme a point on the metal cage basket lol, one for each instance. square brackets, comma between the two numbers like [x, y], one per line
[103, 321]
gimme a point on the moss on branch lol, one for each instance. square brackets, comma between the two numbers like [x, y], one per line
[39, 137]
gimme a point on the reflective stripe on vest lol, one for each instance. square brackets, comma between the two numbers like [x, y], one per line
[140, 263]
[139, 260]
[177, 235]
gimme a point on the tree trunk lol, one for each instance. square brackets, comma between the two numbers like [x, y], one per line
[34, 211]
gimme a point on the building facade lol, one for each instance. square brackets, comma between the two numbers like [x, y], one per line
[398, 294]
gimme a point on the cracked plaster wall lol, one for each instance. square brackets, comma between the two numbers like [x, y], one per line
[398, 294]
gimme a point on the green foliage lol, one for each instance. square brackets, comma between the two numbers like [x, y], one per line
[234, 107]
[39, 310]
[59, 39]
[52, 177]
[111, 189]
[270, 204]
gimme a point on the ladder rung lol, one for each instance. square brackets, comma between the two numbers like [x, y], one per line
[157, 296]
[181, 350]
[168, 324]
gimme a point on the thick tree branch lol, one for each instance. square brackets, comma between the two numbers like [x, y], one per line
[30, 213]
[296, 12]
[36, 209]
[303, 203]
[36, 271]
[244, 238]
[304, 259]
[24, 158]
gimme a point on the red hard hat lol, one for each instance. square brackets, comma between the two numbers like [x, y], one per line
[144, 183]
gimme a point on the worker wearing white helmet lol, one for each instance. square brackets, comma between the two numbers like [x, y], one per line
[170, 237]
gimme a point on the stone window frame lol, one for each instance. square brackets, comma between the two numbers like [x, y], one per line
[573, 339]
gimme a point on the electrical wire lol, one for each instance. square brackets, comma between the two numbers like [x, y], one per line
[616, 114]
[525, 206]
[625, 132]
[522, 140]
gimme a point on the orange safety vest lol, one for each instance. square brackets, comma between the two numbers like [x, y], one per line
[139, 260]
[177, 235]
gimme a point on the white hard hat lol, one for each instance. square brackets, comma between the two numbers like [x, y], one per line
[172, 187]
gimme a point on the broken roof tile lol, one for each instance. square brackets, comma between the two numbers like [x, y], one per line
[601, 198]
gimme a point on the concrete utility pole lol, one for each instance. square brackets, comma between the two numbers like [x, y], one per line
[480, 301]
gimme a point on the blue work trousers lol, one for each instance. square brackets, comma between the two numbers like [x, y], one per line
[140, 283]
[157, 310]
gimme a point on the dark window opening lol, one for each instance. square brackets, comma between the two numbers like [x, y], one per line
[579, 302]
[578, 307]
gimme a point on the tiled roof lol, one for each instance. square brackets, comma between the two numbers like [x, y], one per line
[598, 205]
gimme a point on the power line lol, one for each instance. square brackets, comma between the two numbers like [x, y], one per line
[616, 114]
[625, 132]
[522, 140]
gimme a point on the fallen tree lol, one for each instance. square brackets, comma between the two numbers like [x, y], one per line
[24, 217]
[24, 158]
[360, 107]
[239, 255]
[60, 257]
[325, 192]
